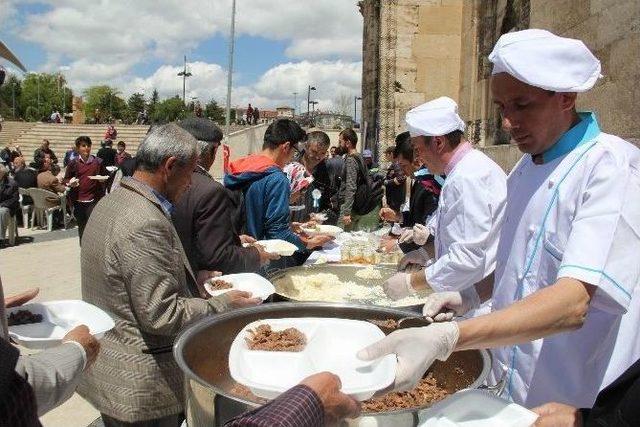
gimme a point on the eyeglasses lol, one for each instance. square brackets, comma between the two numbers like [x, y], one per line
[295, 147]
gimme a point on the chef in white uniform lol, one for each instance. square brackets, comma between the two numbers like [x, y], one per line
[567, 266]
[466, 224]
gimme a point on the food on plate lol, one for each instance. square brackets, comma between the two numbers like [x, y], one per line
[385, 324]
[264, 338]
[369, 273]
[426, 392]
[220, 285]
[23, 317]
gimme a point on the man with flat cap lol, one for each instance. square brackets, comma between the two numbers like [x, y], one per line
[466, 224]
[567, 265]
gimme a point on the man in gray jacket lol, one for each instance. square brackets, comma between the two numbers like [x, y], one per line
[135, 268]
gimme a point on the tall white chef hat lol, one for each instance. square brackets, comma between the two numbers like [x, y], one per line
[542, 59]
[434, 118]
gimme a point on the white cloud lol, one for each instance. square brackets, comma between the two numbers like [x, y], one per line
[274, 88]
[102, 42]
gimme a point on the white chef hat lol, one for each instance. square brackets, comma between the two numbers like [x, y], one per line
[434, 118]
[542, 59]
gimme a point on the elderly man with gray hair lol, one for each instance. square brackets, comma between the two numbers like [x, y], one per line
[135, 268]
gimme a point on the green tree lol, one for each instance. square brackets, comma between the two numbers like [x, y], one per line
[213, 111]
[169, 110]
[43, 93]
[153, 102]
[103, 103]
[10, 92]
[135, 104]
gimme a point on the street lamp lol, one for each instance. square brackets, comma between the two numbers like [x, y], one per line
[309, 98]
[313, 103]
[355, 108]
[295, 102]
[38, 86]
[184, 74]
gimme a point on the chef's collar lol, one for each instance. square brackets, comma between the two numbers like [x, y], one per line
[461, 150]
[582, 132]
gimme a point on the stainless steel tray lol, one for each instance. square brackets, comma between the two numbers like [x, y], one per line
[285, 288]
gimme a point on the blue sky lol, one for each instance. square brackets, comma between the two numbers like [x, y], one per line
[282, 46]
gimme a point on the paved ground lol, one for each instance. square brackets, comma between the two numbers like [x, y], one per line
[50, 261]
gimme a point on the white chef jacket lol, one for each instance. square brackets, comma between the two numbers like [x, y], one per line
[575, 216]
[466, 224]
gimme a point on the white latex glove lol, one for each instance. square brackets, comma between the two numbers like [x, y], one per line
[416, 350]
[443, 306]
[406, 236]
[420, 234]
[418, 257]
[398, 286]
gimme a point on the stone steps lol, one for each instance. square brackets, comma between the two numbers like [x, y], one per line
[62, 137]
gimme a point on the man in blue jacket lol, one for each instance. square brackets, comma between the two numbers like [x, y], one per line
[265, 186]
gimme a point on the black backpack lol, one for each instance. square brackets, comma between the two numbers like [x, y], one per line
[369, 192]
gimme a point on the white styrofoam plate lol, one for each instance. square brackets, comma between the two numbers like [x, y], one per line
[99, 177]
[329, 230]
[249, 282]
[476, 408]
[111, 168]
[59, 317]
[277, 246]
[332, 345]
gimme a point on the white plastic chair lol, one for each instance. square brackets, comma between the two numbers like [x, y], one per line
[26, 209]
[45, 203]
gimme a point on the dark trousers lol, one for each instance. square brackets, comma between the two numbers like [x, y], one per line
[82, 211]
[168, 421]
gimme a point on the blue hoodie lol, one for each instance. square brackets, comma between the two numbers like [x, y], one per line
[266, 198]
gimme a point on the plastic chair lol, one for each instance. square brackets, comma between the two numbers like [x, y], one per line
[45, 203]
[26, 209]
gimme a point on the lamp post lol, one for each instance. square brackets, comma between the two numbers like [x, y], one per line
[313, 103]
[230, 70]
[295, 102]
[309, 98]
[184, 73]
[13, 98]
[355, 108]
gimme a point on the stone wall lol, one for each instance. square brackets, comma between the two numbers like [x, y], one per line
[611, 29]
[430, 48]
[370, 10]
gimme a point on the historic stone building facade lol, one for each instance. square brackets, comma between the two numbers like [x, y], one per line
[417, 50]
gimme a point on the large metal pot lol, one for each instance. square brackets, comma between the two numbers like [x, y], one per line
[202, 352]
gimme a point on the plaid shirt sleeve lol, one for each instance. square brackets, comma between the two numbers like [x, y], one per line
[297, 407]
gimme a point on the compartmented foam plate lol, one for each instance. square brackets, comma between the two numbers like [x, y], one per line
[250, 282]
[58, 318]
[331, 346]
[277, 246]
[329, 230]
[476, 408]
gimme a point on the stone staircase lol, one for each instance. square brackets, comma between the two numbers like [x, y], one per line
[11, 131]
[62, 136]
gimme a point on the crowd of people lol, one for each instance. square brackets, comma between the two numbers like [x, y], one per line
[538, 266]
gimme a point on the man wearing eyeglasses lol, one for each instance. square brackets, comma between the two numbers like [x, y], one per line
[265, 187]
